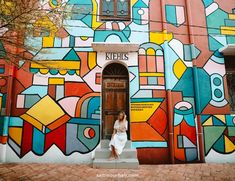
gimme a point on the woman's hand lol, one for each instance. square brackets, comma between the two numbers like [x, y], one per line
[122, 128]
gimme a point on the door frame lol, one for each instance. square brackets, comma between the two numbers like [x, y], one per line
[128, 98]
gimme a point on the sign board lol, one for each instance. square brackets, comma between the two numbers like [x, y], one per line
[115, 85]
[116, 56]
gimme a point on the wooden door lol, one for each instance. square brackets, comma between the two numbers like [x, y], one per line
[114, 100]
[115, 97]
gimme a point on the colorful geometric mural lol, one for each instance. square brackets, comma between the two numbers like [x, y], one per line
[177, 81]
[185, 132]
[219, 133]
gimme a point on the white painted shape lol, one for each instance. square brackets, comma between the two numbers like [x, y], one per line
[188, 64]
[113, 39]
[53, 155]
[144, 94]
[214, 157]
[180, 14]
[20, 101]
[121, 25]
[81, 43]
[65, 42]
[69, 105]
[2, 153]
[131, 76]
[210, 9]
[221, 39]
[212, 67]
[139, 33]
[145, 16]
[67, 77]
[108, 25]
[152, 87]
[178, 48]
[90, 78]
[40, 80]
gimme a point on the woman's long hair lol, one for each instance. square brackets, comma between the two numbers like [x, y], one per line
[124, 115]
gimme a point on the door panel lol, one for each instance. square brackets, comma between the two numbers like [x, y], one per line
[115, 99]
[108, 130]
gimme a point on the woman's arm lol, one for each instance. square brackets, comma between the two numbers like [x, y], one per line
[114, 132]
[124, 127]
[114, 129]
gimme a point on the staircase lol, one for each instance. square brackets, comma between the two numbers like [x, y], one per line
[128, 158]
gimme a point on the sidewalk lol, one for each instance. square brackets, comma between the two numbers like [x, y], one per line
[48, 172]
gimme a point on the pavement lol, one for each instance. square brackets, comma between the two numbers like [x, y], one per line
[77, 172]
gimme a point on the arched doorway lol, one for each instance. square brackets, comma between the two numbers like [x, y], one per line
[115, 97]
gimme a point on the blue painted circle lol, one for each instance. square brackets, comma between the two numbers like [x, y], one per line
[218, 93]
[217, 81]
[54, 72]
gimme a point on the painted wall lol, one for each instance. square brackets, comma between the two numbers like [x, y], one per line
[178, 91]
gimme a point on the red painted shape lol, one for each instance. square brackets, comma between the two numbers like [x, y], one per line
[17, 89]
[57, 137]
[153, 155]
[26, 138]
[143, 63]
[52, 91]
[84, 63]
[3, 139]
[188, 131]
[3, 82]
[76, 89]
[91, 132]
[158, 121]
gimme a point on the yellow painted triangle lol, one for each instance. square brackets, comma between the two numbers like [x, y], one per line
[221, 118]
[208, 122]
[229, 146]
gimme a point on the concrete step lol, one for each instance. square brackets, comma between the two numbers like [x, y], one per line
[131, 163]
[105, 144]
[105, 153]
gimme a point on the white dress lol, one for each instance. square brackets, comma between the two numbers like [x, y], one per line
[120, 138]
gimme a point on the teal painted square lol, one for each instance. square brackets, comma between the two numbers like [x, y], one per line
[230, 22]
[72, 41]
[4, 126]
[187, 53]
[38, 141]
[15, 121]
[208, 2]
[152, 80]
[231, 39]
[171, 14]
[2, 70]
[30, 100]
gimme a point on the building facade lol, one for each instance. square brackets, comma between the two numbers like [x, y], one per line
[167, 64]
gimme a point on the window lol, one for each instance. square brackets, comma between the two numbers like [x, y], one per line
[115, 10]
[230, 74]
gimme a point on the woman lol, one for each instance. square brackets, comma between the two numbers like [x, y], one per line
[119, 136]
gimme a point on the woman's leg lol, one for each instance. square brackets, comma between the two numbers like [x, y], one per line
[116, 154]
[112, 154]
